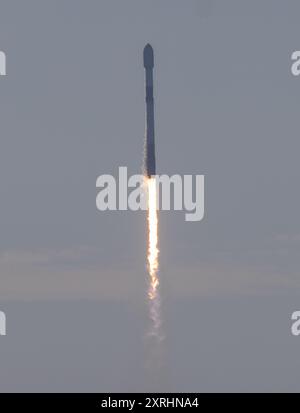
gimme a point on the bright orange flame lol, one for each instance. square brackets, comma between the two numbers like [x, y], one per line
[153, 239]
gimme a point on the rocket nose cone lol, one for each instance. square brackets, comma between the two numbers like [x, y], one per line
[148, 56]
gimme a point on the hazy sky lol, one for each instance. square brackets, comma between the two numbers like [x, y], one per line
[73, 279]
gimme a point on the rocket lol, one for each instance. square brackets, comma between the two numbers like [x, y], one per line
[150, 168]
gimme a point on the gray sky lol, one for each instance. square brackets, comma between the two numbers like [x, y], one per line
[73, 279]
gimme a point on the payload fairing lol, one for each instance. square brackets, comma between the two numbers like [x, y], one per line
[150, 167]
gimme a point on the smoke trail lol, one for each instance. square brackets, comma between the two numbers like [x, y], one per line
[152, 261]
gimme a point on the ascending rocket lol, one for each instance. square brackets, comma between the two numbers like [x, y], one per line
[150, 168]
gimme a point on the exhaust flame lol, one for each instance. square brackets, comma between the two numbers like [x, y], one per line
[152, 259]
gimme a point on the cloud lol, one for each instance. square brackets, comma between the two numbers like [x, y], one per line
[69, 273]
[77, 273]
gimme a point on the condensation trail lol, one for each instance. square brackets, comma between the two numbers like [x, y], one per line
[152, 261]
